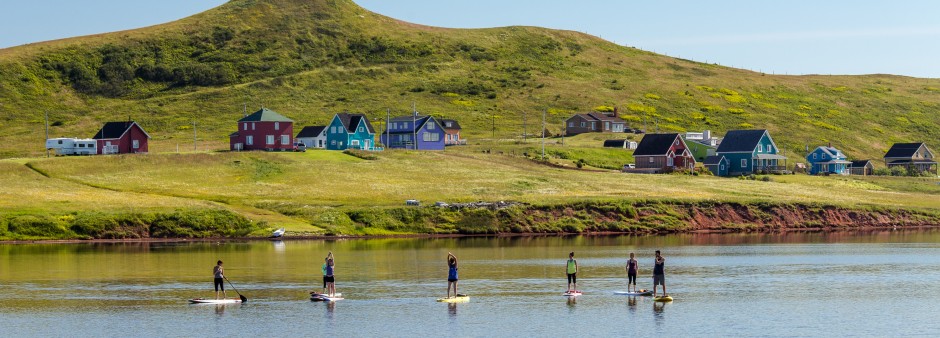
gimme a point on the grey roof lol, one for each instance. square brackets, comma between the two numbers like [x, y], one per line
[903, 149]
[112, 130]
[600, 117]
[741, 140]
[832, 152]
[655, 144]
[311, 131]
[714, 160]
[351, 121]
[265, 115]
[453, 124]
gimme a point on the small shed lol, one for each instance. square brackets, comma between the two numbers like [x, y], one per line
[717, 164]
[862, 167]
[312, 136]
[625, 144]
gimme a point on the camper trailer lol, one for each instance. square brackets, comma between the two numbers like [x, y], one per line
[72, 146]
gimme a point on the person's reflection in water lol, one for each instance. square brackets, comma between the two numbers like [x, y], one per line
[572, 301]
[452, 310]
[220, 309]
[330, 307]
[631, 304]
[659, 309]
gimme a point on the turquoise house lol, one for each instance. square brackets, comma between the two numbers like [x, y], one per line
[751, 151]
[350, 131]
[827, 160]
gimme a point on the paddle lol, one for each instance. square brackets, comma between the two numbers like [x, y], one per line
[244, 299]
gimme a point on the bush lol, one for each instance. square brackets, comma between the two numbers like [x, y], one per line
[38, 226]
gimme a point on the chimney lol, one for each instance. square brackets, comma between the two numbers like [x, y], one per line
[616, 112]
[706, 135]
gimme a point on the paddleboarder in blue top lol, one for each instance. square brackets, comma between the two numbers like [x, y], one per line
[451, 273]
[659, 273]
[330, 279]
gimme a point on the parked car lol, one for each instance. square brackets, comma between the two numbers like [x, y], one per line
[300, 146]
[629, 166]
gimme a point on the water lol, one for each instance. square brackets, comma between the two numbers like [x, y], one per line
[809, 284]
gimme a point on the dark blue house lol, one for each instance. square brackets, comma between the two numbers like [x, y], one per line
[751, 151]
[414, 132]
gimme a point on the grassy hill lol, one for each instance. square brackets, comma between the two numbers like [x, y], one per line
[313, 58]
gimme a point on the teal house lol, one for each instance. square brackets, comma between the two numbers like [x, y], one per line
[751, 151]
[350, 131]
[827, 160]
[718, 165]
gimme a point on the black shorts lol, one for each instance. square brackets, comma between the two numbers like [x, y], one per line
[329, 279]
[572, 278]
[659, 280]
[219, 284]
[324, 281]
[631, 278]
[452, 279]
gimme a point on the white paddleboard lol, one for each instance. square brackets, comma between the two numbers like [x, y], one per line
[632, 293]
[215, 301]
[572, 294]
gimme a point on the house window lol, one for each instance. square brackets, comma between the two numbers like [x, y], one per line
[252, 126]
[721, 167]
[651, 159]
[677, 141]
[333, 142]
[136, 144]
[245, 126]
[769, 149]
[760, 149]
[448, 124]
[60, 141]
[269, 139]
[277, 126]
[285, 139]
[570, 124]
[814, 156]
[354, 143]
[606, 125]
[593, 126]
[582, 124]
[430, 125]
[743, 163]
[362, 129]
[249, 140]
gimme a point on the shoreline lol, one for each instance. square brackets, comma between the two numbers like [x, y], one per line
[439, 236]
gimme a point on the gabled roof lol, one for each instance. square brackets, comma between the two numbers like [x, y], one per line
[714, 160]
[311, 131]
[903, 150]
[453, 124]
[741, 140]
[599, 117]
[419, 121]
[655, 144]
[832, 152]
[351, 121]
[113, 130]
[265, 115]
[860, 163]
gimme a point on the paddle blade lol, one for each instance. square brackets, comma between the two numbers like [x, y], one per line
[244, 299]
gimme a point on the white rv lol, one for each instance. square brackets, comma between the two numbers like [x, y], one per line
[73, 146]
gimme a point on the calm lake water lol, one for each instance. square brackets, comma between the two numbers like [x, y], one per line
[808, 284]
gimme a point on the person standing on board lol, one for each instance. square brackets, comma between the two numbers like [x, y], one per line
[572, 270]
[326, 261]
[659, 273]
[219, 275]
[330, 279]
[451, 274]
[632, 267]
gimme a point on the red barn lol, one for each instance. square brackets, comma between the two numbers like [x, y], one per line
[121, 138]
[263, 130]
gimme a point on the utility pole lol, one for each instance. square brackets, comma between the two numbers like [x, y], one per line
[194, 135]
[494, 126]
[388, 136]
[47, 131]
[525, 132]
[543, 133]
[414, 122]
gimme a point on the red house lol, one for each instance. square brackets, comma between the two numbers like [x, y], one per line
[121, 138]
[263, 130]
[663, 152]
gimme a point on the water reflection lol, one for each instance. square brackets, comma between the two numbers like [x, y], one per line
[220, 309]
[631, 304]
[659, 310]
[452, 310]
[279, 246]
[572, 301]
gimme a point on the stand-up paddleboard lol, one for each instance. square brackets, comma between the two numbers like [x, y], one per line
[634, 293]
[456, 299]
[321, 297]
[574, 293]
[662, 298]
[215, 301]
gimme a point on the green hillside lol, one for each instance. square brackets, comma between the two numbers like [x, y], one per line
[309, 59]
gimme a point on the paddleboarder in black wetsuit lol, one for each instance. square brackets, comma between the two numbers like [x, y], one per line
[659, 273]
[632, 267]
[219, 275]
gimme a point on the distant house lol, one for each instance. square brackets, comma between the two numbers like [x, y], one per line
[827, 160]
[263, 130]
[414, 132]
[862, 167]
[913, 156]
[718, 165]
[312, 136]
[704, 137]
[350, 131]
[663, 151]
[751, 151]
[594, 123]
[121, 138]
[625, 144]
[452, 133]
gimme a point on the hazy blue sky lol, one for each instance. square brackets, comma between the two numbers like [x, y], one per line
[792, 37]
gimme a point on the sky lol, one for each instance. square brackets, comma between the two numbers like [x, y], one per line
[779, 37]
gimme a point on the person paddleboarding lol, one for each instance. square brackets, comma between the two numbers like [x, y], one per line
[451, 274]
[572, 271]
[632, 268]
[329, 277]
[659, 273]
[219, 281]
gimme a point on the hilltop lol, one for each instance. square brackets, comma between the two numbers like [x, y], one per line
[309, 59]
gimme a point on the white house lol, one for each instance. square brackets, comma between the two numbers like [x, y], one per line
[312, 136]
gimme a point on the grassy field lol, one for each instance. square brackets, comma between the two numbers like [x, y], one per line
[323, 191]
[311, 59]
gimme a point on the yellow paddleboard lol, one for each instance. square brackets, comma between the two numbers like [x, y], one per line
[663, 299]
[458, 299]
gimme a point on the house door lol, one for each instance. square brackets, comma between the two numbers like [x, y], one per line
[670, 161]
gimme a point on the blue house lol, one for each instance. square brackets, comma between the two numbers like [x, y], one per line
[751, 151]
[826, 159]
[718, 165]
[414, 132]
[350, 131]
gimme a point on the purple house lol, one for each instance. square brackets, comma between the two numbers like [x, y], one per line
[414, 132]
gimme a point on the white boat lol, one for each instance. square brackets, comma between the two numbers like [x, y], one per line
[278, 233]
